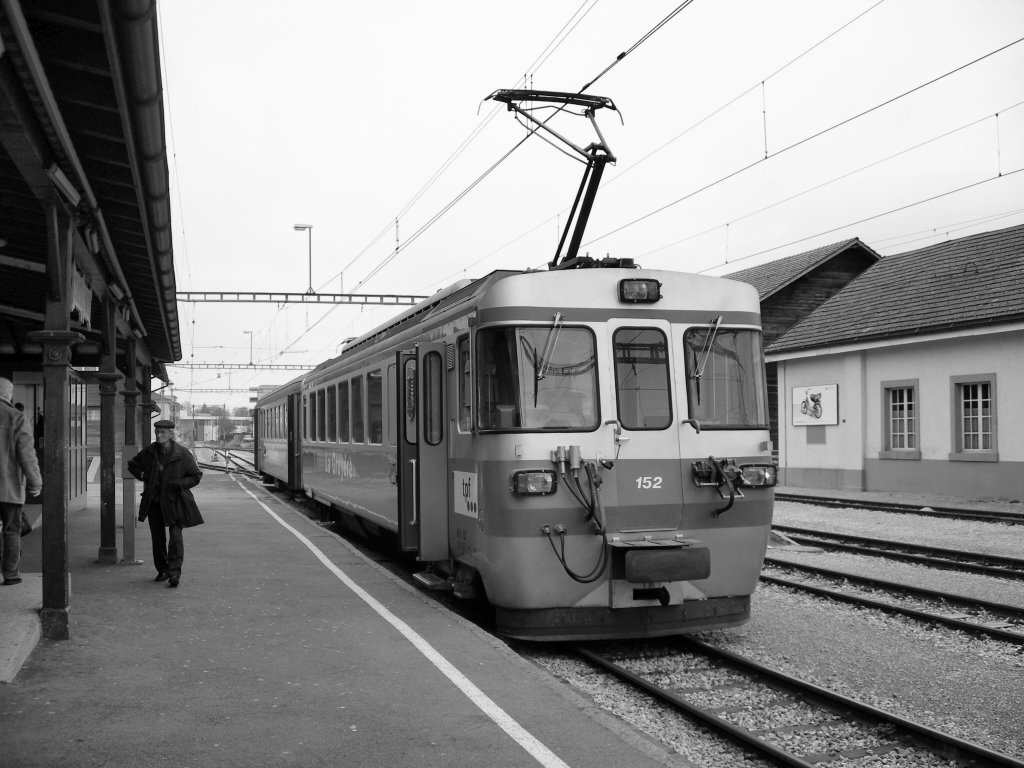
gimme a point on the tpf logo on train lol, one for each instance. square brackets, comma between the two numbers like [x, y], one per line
[464, 494]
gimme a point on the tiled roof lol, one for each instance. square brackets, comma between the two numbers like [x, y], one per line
[977, 280]
[769, 278]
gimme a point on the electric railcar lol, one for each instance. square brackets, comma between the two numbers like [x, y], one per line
[587, 448]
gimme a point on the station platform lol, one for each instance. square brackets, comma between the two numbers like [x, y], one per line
[282, 646]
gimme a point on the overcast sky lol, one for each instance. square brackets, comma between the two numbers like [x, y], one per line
[746, 131]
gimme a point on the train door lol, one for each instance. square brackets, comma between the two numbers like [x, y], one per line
[648, 466]
[294, 420]
[423, 453]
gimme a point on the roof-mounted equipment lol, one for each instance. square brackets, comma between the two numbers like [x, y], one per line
[595, 155]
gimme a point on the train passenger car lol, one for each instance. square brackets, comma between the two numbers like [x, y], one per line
[587, 448]
[277, 452]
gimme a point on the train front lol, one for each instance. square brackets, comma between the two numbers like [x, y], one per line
[623, 452]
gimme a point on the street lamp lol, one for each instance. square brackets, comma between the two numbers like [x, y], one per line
[309, 230]
[250, 345]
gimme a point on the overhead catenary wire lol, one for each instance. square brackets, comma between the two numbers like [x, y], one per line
[833, 180]
[946, 229]
[801, 142]
[947, 193]
[618, 59]
[761, 81]
[538, 61]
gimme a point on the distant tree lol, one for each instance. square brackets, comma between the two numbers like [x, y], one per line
[241, 411]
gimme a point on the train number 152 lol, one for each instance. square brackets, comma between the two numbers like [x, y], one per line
[647, 482]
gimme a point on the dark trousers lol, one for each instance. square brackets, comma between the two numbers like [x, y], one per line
[168, 545]
[10, 539]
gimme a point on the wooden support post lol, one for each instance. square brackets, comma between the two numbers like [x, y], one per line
[108, 380]
[108, 493]
[57, 340]
[130, 449]
[56, 380]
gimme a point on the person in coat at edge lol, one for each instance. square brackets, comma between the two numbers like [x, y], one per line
[168, 471]
[18, 467]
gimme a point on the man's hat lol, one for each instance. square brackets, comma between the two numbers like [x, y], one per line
[164, 424]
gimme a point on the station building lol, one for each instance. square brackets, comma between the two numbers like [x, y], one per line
[908, 378]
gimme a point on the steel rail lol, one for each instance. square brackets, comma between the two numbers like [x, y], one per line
[942, 744]
[962, 513]
[735, 732]
[999, 609]
[947, 745]
[929, 618]
[1008, 567]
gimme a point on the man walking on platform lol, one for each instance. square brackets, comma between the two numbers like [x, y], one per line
[18, 464]
[168, 471]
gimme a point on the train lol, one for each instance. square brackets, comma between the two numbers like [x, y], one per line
[586, 449]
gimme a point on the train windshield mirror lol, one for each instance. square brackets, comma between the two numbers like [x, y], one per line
[725, 384]
[528, 380]
[642, 379]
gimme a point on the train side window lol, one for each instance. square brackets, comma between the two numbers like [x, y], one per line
[642, 378]
[343, 418]
[725, 381]
[465, 386]
[332, 413]
[535, 378]
[321, 414]
[433, 410]
[392, 427]
[374, 408]
[356, 388]
[309, 415]
[409, 393]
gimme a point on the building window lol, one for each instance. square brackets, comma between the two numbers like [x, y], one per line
[900, 420]
[974, 418]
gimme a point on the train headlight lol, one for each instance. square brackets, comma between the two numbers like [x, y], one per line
[758, 475]
[533, 483]
[637, 291]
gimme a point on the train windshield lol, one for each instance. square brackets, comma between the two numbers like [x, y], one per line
[725, 384]
[536, 378]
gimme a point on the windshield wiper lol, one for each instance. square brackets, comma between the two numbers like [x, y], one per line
[549, 346]
[705, 352]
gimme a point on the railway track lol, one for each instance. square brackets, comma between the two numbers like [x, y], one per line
[1008, 631]
[960, 513]
[973, 562]
[793, 723]
[232, 463]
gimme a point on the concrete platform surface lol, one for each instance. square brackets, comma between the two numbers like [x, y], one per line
[282, 646]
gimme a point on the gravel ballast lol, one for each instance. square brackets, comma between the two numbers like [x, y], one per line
[940, 678]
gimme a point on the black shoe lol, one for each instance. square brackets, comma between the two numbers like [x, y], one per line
[162, 576]
[172, 581]
[11, 582]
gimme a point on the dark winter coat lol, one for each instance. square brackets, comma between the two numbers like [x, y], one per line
[18, 462]
[168, 485]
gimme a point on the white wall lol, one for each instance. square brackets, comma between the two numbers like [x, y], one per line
[848, 456]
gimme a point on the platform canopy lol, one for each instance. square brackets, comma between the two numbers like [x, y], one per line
[84, 184]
